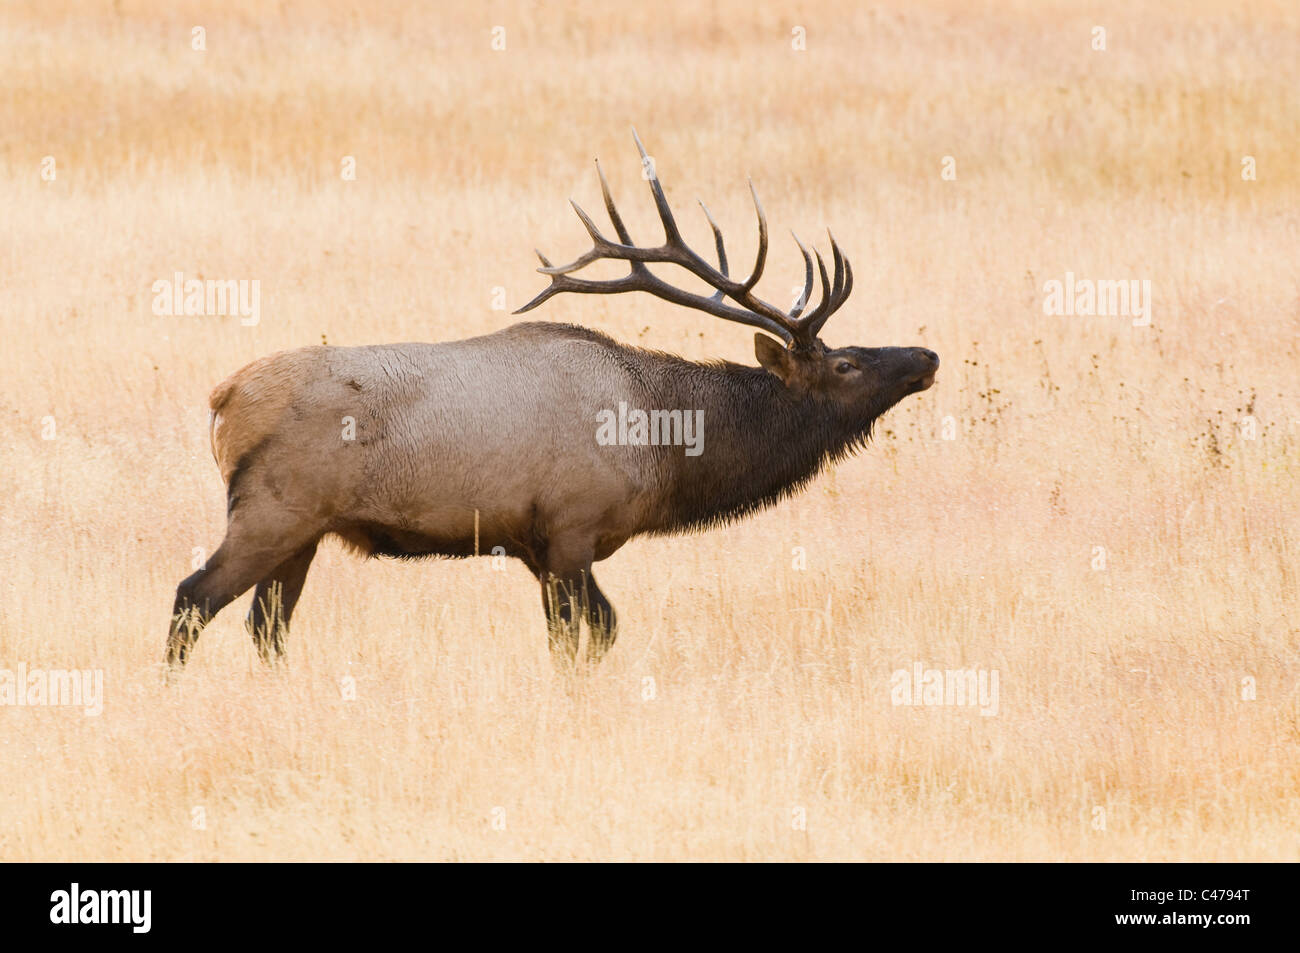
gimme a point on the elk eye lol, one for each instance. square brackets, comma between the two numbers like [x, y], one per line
[844, 367]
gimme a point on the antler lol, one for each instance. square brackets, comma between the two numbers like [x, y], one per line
[796, 331]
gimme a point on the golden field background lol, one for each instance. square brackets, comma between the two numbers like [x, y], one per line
[1120, 688]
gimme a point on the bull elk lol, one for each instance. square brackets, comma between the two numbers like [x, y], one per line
[488, 445]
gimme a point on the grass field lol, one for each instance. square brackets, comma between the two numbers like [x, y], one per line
[1104, 514]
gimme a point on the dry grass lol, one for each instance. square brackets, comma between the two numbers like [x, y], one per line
[1121, 688]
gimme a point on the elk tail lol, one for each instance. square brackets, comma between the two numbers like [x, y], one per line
[249, 406]
[217, 402]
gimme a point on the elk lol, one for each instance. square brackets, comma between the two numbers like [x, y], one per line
[488, 445]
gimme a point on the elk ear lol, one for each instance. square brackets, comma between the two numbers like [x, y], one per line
[773, 356]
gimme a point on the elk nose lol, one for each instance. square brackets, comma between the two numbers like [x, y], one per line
[934, 358]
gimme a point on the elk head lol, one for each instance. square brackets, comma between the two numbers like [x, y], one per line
[866, 380]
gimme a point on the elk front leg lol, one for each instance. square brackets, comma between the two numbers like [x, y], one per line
[568, 600]
[561, 602]
[569, 595]
[602, 622]
[564, 572]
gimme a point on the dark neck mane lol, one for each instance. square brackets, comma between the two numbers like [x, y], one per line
[761, 443]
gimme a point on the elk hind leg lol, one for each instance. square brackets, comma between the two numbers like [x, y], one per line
[274, 600]
[255, 544]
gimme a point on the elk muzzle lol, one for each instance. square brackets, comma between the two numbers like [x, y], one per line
[925, 364]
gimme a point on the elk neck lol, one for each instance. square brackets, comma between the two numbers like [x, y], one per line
[761, 442]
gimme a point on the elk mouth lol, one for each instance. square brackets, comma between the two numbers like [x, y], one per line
[924, 378]
[924, 382]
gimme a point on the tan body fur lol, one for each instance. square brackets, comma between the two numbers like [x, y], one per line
[438, 433]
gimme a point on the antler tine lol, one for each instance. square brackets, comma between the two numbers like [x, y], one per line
[717, 239]
[761, 259]
[839, 268]
[807, 278]
[820, 311]
[722, 251]
[601, 247]
[552, 289]
[623, 235]
[599, 240]
[839, 293]
[671, 234]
